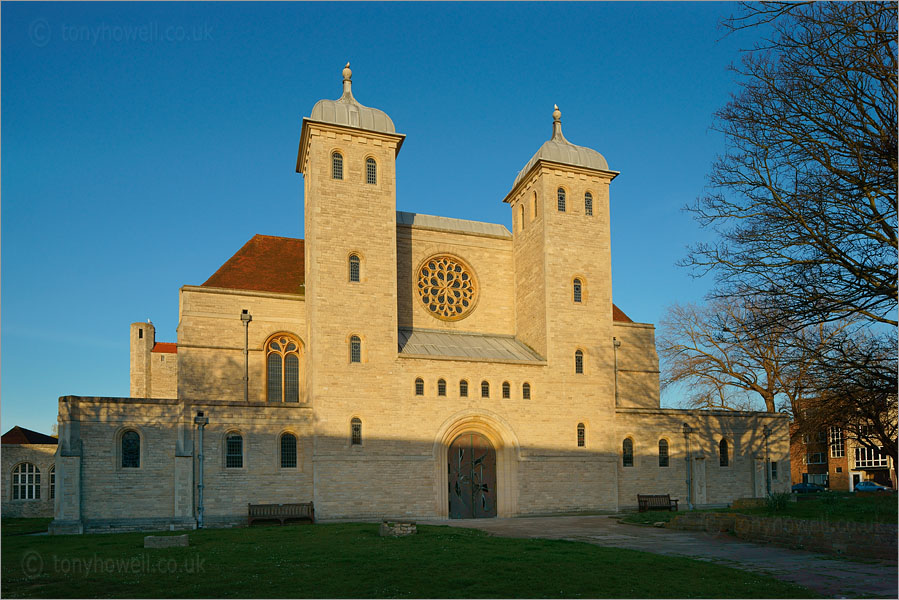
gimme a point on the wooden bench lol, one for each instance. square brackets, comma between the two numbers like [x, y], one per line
[656, 502]
[280, 512]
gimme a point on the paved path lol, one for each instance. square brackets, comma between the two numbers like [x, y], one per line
[832, 577]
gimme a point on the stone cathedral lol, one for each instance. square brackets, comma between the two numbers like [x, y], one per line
[403, 365]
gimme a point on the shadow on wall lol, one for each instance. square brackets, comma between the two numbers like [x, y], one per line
[263, 453]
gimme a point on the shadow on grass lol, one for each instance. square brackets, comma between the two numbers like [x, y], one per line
[352, 560]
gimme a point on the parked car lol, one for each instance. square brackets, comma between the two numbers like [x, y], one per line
[870, 486]
[808, 488]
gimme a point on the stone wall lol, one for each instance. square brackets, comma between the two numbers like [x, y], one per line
[868, 540]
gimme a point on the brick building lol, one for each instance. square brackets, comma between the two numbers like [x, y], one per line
[833, 459]
[399, 364]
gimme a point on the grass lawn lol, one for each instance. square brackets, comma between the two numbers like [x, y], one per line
[830, 506]
[23, 526]
[839, 506]
[352, 561]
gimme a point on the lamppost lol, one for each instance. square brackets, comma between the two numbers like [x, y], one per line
[687, 431]
[766, 432]
[201, 422]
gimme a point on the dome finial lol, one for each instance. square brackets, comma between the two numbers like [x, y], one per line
[557, 124]
[347, 81]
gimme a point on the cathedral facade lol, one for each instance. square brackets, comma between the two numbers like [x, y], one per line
[394, 364]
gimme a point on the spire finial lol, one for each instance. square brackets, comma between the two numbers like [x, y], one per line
[347, 81]
[557, 124]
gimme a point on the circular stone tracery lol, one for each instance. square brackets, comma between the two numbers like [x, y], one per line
[446, 287]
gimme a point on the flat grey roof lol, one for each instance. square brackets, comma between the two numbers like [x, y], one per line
[429, 343]
[452, 225]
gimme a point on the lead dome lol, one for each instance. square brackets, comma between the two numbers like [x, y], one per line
[347, 111]
[559, 150]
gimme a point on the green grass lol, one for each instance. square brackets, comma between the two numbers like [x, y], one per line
[830, 506]
[838, 506]
[351, 560]
[23, 526]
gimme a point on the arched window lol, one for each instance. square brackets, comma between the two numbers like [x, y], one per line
[578, 290]
[521, 217]
[441, 387]
[507, 390]
[485, 389]
[561, 195]
[663, 453]
[371, 171]
[588, 204]
[234, 451]
[526, 391]
[355, 349]
[52, 482]
[723, 458]
[130, 450]
[337, 166]
[26, 482]
[354, 268]
[463, 389]
[581, 435]
[282, 372]
[356, 431]
[627, 453]
[419, 387]
[578, 362]
[534, 216]
[288, 451]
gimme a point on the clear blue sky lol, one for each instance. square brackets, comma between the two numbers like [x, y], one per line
[143, 144]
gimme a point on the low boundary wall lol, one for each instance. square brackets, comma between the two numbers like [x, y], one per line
[868, 540]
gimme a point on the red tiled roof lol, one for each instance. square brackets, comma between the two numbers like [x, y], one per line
[20, 435]
[266, 263]
[618, 315]
[269, 263]
[166, 347]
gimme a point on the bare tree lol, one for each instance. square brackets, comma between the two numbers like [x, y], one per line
[804, 198]
[726, 360]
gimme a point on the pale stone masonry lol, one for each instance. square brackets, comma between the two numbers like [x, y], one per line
[516, 397]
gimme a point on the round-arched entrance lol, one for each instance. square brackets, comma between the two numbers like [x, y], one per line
[471, 471]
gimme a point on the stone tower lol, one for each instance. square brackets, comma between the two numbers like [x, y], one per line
[143, 336]
[563, 280]
[347, 156]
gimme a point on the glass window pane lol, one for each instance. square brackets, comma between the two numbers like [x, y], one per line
[580, 435]
[130, 450]
[274, 378]
[355, 349]
[371, 171]
[463, 388]
[588, 204]
[441, 387]
[485, 389]
[627, 453]
[234, 451]
[663, 453]
[561, 195]
[291, 378]
[356, 428]
[507, 389]
[354, 268]
[288, 451]
[526, 391]
[336, 166]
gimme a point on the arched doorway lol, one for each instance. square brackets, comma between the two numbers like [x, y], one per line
[471, 471]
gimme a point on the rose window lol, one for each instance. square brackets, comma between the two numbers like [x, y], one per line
[446, 287]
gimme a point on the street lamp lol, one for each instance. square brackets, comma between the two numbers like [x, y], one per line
[687, 431]
[766, 432]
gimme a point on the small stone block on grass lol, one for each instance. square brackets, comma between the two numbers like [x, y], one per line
[397, 529]
[165, 541]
